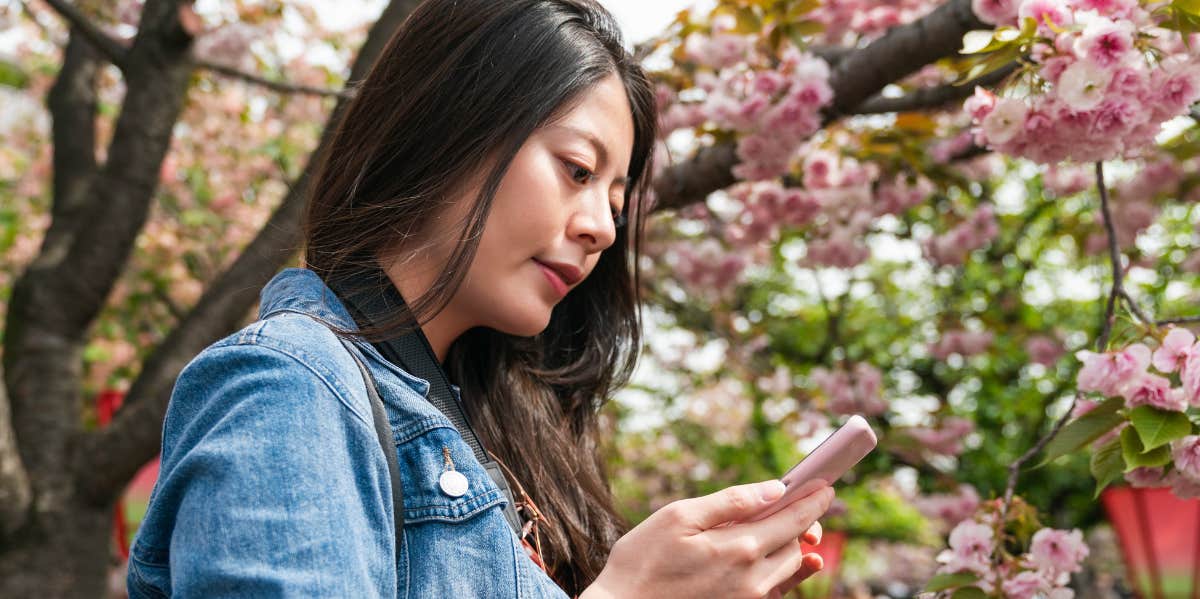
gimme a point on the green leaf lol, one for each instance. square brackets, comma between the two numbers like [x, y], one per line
[1136, 455]
[1107, 465]
[969, 593]
[942, 582]
[12, 75]
[747, 21]
[1191, 7]
[1157, 427]
[1085, 429]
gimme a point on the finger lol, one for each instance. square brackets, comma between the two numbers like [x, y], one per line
[779, 566]
[787, 525]
[726, 505]
[811, 564]
[812, 536]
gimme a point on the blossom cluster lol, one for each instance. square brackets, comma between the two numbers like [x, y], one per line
[774, 106]
[962, 342]
[845, 22]
[851, 196]
[1043, 571]
[706, 265]
[768, 206]
[854, 390]
[1126, 373]
[949, 508]
[1105, 79]
[952, 247]
[946, 438]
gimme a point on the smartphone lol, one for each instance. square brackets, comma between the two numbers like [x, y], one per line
[831, 459]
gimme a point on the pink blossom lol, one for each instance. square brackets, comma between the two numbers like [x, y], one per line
[980, 103]
[1054, 11]
[1025, 585]
[1176, 86]
[1183, 486]
[1043, 350]
[1058, 551]
[1176, 347]
[971, 545]
[1189, 375]
[995, 12]
[1145, 477]
[947, 439]
[1105, 42]
[1115, 8]
[1153, 390]
[951, 508]
[1109, 372]
[1082, 85]
[1005, 121]
[1186, 454]
[1116, 115]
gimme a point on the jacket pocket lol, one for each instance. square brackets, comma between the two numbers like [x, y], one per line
[425, 456]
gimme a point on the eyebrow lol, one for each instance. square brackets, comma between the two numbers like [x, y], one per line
[601, 151]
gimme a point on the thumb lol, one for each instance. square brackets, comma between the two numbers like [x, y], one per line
[731, 504]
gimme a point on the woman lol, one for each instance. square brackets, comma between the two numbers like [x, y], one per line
[483, 194]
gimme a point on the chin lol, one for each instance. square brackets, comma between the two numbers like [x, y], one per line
[525, 323]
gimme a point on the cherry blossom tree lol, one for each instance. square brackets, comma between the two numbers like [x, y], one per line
[971, 222]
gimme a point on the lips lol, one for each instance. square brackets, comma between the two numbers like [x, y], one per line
[560, 275]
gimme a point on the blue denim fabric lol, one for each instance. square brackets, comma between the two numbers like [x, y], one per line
[272, 483]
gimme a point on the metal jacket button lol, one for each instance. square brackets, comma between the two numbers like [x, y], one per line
[453, 483]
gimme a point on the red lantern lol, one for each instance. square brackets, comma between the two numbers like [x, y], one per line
[1159, 535]
[820, 586]
[138, 492]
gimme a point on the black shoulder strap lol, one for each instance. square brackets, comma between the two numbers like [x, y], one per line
[369, 296]
[383, 431]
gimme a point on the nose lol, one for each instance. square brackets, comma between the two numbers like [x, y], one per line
[592, 224]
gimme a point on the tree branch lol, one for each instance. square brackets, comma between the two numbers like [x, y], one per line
[55, 301]
[114, 50]
[1179, 320]
[278, 86]
[1118, 290]
[107, 458]
[860, 74]
[932, 97]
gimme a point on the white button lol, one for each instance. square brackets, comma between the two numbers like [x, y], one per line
[453, 483]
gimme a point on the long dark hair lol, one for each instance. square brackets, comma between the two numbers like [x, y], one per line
[453, 97]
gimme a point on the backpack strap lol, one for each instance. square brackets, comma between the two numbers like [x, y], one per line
[383, 432]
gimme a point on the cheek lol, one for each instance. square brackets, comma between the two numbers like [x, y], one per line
[528, 205]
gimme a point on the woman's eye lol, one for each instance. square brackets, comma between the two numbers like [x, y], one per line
[579, 174]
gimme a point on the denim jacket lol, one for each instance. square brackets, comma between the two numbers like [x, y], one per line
[271, 481]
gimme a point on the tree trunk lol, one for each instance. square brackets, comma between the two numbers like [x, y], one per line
[65, 553]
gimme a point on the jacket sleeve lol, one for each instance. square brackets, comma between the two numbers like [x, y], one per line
[278, 481]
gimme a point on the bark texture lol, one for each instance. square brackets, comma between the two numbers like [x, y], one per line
[58, 483]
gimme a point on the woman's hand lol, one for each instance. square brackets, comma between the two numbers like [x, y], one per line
[702, 547]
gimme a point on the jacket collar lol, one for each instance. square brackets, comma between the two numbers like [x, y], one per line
[302, 290]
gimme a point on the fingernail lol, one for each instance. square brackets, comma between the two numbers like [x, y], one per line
[771, 490]
[819, 561]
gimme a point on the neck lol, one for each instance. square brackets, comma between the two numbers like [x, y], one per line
[444, 328]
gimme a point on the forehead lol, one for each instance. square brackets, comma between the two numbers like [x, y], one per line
[602, 111]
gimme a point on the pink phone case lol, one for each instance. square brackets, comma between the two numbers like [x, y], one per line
[831, 459]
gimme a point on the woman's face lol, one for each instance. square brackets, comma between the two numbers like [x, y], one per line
[552, 216]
